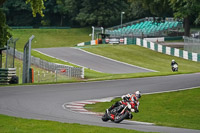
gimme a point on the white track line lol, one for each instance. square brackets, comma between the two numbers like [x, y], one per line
[139, 122]
[115, 60]
[65, 60]
[171, 90]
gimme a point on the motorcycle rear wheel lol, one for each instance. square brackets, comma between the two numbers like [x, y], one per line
[118, 119]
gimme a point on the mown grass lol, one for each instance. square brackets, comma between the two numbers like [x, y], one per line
[135, 55]
[18, 125]
[174, 109]
[150, 109]
[45, 38]
[130, 54]
[144, 57]
[91, 75]
[41, 76]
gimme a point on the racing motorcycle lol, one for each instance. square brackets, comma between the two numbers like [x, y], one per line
[175, 68]
[121, 112]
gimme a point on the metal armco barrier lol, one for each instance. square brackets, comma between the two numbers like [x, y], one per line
[6, 75]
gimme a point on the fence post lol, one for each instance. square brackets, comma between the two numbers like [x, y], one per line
[56, 75]
[38, 76]
[82, 73]
[19, 72]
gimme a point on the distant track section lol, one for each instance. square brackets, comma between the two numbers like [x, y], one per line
[89, 60]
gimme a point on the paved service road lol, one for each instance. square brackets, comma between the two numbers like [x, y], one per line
[92, 61]
[45, 101]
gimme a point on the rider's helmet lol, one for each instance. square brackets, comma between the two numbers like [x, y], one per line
[138, 95]
[173, 60]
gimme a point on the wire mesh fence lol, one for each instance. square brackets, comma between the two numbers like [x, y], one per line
[76, 72]
[191, 44]
[45, 71]
[10, 52]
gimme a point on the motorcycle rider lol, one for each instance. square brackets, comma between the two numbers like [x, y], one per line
[173, 63]
[127, 98]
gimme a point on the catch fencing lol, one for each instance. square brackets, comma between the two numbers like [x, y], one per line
[68, 71]
[191, 44]
[10, 52]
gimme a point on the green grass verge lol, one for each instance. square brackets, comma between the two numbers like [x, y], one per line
[41, 76]
[144, 57]
[45, 38]
[130, 54]
[50, 59]
[91, 75]
[174, 109]
[18, 125]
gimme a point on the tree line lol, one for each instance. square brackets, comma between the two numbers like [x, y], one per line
[78, 13]
[70, 13]
[95, 12]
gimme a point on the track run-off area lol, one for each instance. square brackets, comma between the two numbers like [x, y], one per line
[45, 102]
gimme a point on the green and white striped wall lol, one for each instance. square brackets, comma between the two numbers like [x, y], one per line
[86, 43]
[92, 42]
[167, 50]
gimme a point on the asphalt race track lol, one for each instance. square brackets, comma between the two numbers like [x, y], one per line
[95, 62]
[45, 101]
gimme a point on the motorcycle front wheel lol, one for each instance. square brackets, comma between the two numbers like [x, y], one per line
[104, 118]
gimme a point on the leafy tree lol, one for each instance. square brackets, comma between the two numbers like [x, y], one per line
[4, 34]
[135, 11]
[51, 14]
[186, 9]
[37, 7]
[4, 30]
[63, 11]
[101, 12]
[73, 7]
[158, 8]
[18, 13]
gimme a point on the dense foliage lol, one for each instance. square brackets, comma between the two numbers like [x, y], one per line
[104, 13]
[188, 10]
[66, 12]
[94, 12]
[4, 30]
